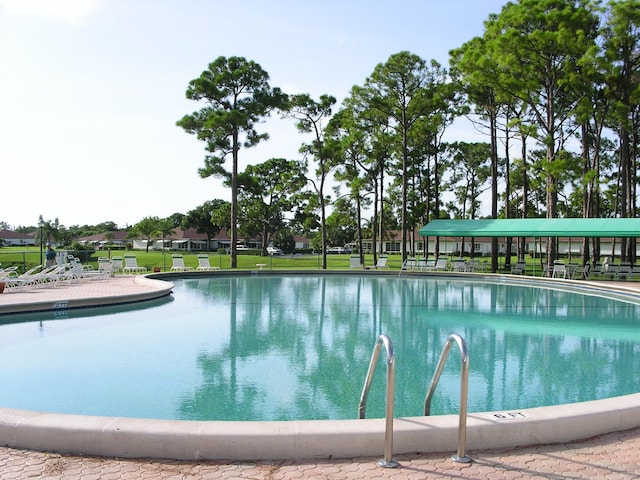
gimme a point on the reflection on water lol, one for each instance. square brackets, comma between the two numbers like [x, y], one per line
[275, 347]
[299, 346]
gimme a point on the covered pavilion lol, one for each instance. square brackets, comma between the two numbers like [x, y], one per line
[534, 228]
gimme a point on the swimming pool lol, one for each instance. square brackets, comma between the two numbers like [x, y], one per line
[279, 347]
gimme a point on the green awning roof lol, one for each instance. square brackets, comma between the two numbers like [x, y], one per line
[534, 227]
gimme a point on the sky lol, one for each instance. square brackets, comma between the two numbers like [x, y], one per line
[91, 90]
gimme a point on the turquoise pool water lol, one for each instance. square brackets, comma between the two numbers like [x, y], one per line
[277, 347]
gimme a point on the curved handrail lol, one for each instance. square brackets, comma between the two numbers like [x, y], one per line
[388, 432]
[464, 388]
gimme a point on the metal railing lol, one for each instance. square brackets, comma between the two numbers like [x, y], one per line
[464, 388]
[383, 340]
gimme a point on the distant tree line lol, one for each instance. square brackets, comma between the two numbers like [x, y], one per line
[554, 80]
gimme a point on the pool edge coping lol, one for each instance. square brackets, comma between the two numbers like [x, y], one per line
[311, 439]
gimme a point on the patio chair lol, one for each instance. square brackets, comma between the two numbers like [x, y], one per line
[131, 265]
[429, 264]
[474, 266]
[5, 272]
[13, 281]
[409, 264]
[441, 265]
[204, 265]
[586, 272]
[559, 271]
[596, 271]
[354, 261]
[610, 271]
[56, 274]
[105, 266]
[178, 264]
[459, 266]
[624, 270]
[518, 268]
[381, 263]
[85, 271]
[116, 265]
[41, 277]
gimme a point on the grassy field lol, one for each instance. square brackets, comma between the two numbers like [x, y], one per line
[29, 257]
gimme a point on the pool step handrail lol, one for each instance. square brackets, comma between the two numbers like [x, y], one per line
[464, 389]
[383, 340]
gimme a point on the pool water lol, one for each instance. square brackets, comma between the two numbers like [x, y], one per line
[278, 347]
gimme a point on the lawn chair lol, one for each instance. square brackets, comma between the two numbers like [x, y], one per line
[116, 265]
[13, 281]
[429, 264]
[459, 266]
[559, 270]
[586, 272]
[518, 268]
[624, 271]
[441, 265]
[76, 270]
[204, 265]
[354, 261]
[178, 264]
[105, 266]
[131, 265]
[5, 272]
[409, 264]
[381, 263]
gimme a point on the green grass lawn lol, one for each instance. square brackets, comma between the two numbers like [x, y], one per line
[27, 257]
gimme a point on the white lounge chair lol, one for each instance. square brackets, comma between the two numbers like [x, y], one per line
[610, 271]
[86, 271]
[178, 264]
[441, 265]
[354, 261]
[131, 265]
[518, 268]
[597, 271]
[409, 264]
[624, 271]
[474, 266]
[429, 264]
[559, 270]
[5, 272]
[55, 274]
[381, 263]
[105, 266]
[117, 264]
[586, 273]
[13, 281]
[204, 265]
[459, 266]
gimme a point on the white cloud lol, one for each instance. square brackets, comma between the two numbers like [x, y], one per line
[69, 11]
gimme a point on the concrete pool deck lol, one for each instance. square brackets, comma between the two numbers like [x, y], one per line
[529, 443]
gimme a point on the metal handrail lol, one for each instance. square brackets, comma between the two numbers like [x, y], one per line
[388, 432]
[464, 388]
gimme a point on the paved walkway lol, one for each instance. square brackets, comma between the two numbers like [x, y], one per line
[611, 456]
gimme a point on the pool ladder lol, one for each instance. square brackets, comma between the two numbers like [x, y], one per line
[383, 340]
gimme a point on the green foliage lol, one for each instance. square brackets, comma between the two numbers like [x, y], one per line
[237, 96]
[209, 218]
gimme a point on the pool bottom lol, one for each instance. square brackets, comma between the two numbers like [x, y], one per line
[312, 439]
